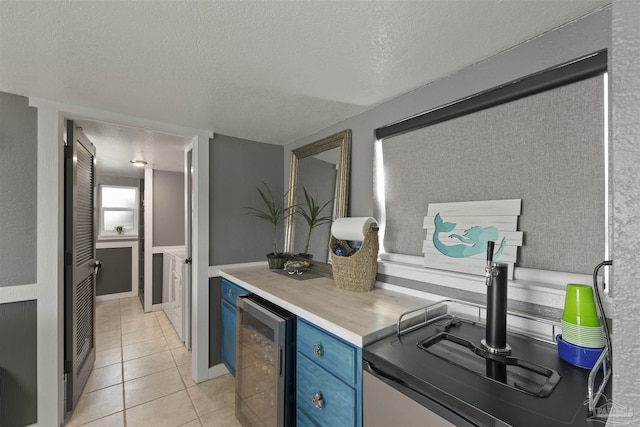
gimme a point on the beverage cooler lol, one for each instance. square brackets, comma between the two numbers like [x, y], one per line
[265, 364]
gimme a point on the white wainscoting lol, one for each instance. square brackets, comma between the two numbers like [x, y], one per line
[18, 293]
[156, 250]
[541, 287]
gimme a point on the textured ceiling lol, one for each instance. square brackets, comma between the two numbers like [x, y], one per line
[262, 70]
[117, 145]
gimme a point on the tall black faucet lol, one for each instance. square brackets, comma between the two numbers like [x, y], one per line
[495, 340]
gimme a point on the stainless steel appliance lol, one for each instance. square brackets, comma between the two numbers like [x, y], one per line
[437, 360]
[265, 364]
[442, 362]
[385, 405]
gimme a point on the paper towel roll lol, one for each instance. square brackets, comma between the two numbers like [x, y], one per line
[352, 228]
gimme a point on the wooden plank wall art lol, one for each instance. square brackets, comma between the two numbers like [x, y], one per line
[457, 234]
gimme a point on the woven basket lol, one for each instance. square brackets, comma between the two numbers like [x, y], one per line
[357, 272]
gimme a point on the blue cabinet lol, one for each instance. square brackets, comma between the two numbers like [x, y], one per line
[302, 420]
[230, 293]
[229, 337]
[329, 378]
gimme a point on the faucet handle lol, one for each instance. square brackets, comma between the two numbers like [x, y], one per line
[490, 246]
[489, 270]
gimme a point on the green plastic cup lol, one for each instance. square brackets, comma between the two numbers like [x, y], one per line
[579, 306]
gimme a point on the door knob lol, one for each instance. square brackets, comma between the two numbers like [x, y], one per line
[97, 264]
[187, 261]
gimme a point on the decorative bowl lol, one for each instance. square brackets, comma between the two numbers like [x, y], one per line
[299, 265]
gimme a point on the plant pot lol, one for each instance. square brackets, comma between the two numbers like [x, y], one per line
[304, 256]
[276, 261]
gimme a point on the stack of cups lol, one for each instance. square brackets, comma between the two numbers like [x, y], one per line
[580, 322]
[581, 342]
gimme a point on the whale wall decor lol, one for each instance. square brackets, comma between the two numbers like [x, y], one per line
[458, 232]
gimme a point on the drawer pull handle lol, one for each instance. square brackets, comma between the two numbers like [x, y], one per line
[317, 400]
[230, 293]
[317, 350]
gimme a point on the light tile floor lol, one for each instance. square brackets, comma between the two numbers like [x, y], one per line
[142, 376]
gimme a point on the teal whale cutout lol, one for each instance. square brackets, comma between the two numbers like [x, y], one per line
[473, 242]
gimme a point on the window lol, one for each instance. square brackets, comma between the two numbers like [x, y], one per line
[118, 211]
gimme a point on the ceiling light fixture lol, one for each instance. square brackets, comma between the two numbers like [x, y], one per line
[138, 163]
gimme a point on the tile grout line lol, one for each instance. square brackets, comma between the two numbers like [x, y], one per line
[124, 412]
[186, 386]
[165, 334]
[160, 397]
[86, 392]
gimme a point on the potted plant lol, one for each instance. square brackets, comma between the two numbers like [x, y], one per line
[311, 212]
[119, 229]
[274, 213]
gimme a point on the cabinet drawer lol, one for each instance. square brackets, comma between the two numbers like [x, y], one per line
[302, 420]
[335, 402]
[333, 354]
[231, 291]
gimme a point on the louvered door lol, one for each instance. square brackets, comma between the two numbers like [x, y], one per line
[80, 262]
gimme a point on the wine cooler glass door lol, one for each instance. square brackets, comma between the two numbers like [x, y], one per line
[260, 384]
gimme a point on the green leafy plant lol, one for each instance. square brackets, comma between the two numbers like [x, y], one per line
[119, 229]
[273, 212]
[311, 212]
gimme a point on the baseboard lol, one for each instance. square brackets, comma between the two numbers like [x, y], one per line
[117, 296]
[217, 370]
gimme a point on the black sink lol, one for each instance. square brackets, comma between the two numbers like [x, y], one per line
[444, 363]
[513, 372]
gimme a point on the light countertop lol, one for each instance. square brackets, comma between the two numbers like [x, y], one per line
[357, 317]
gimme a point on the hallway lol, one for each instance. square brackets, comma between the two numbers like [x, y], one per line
[142, 376]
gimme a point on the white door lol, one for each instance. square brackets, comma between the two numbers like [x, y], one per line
[186, 280]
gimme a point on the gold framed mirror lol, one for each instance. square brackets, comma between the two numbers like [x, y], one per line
[322, 169]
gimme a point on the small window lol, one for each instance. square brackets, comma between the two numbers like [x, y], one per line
[118, 211]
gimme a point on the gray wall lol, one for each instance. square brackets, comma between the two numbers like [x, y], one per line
[587, 35]
[115, 275]
[236, 167]
[548, 140]
[18, 358]
[569, 42]
[590, 34]
[625, 87]
[168, 208]
[18, 196]
[18, 185]
[168, 220]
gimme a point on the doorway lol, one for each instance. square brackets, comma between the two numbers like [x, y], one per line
[51, 118]
[124, 197]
